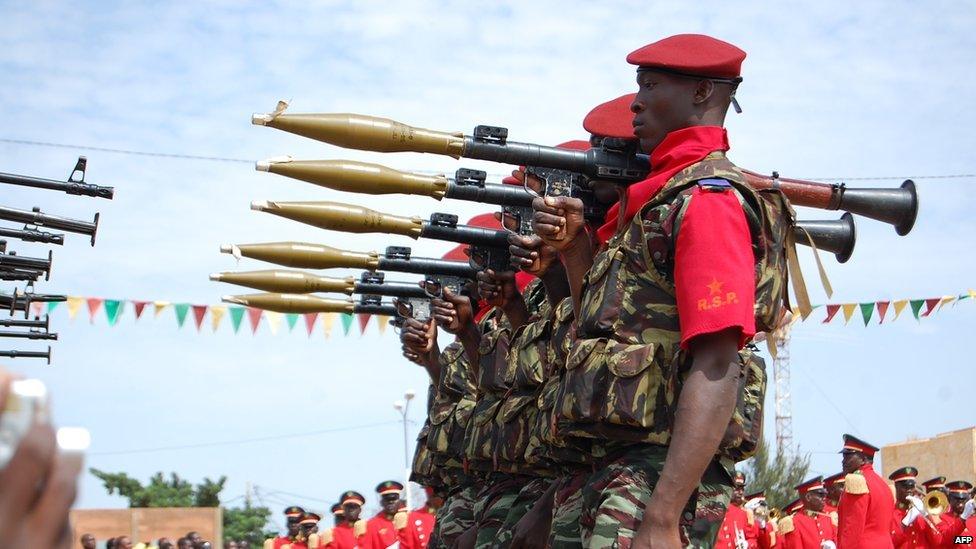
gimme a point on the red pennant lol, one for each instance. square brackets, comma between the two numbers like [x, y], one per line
[254, 316]
[198, 313]
[139, 307]
[310, 319]
[363, 322]
[930, 305]
[94, 304]
[831, 312]
[882, 310]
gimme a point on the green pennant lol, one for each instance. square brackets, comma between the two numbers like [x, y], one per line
[867, 309]
[113, 310]
[916, 306]
[960, 298]
[292, 318]
[236, 316]
[346, 323]
[51, 305]
[181, 310]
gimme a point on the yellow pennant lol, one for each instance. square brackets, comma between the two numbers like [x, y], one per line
[946, 300]
[900, 306]
[274, 321]
[216, 315]
[382, 322]
[972, 294]
[848, 311]
[328, 320]
[158, 307]
[74, 304]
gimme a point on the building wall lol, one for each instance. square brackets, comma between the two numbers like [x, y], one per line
[951, 454]
[148, 524]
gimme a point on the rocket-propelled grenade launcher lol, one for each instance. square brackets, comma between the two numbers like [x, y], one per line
[610, 163]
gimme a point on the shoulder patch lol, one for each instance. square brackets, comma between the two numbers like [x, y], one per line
[326, 537]
[400, 520]
[268, 543]
[714, 184]
[785, 525]
[359, 529]
[855, 483]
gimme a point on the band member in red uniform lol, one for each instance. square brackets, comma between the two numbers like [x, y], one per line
[293, 515]
[812, 528]
[380, 530]
[420, 523]
[835, 487]
[347, 534]
[736, 530]
[764, 529]
[958, 521]
[338, 516]
[866, 507]
[911, 528]
[937, 483]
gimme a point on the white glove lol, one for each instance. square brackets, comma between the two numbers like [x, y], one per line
[969, 510]
[916, 503]
[762, 523]
[751, 505]
[913, 514]
[827, 545]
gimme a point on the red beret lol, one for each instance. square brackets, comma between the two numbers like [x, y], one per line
[612, 119]
[691, 54]
[575, 145]
[457, 253]
[486, 221]
[509, 180]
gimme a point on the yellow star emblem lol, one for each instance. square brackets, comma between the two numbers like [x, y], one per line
[715, 287]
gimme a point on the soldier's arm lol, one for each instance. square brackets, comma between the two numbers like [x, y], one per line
[703, 411]
[855, 512]
[559, 222]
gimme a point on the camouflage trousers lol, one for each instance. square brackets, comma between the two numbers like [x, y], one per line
[523, 502]
[454, 518]
[603, 509]
[491, 509]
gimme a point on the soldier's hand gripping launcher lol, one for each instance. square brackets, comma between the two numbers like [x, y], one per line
[621, 165]
[489, 247]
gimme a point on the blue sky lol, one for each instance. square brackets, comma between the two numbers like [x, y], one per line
[832, 89]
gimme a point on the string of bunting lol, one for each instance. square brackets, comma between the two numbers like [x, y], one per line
[113, 310]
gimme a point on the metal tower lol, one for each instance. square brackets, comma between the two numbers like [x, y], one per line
[784, 406]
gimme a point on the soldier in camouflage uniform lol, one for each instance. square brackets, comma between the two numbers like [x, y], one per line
[693, 241]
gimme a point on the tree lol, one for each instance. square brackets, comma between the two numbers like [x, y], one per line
[247, 523]
[778, 475]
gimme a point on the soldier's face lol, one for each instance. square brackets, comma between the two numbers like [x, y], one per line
[88, 541]
[814, 501]
[293, 528]
[834, 491]
[390, 504]
[958, 504]
[351, 512]
[903, 490]
[737, 494]
[664, 103]
[852, 461]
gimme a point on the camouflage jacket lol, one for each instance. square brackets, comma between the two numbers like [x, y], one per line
[451, 411]
[624, 371]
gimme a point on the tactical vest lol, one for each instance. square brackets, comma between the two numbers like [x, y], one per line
[623, 375]
[451, 410]
[422, 471]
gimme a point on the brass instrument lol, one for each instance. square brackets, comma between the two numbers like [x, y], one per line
[775, 513]
[935, 502]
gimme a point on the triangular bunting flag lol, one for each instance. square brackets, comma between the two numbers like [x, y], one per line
[382, 321]
[94, 304]
[254, 316]
[867, 309]
[216, 315]
[930, 305]
[346, 323]
[36, 307]
[113, 310]
[882, 310]
[139, 306]
[363, 322]
[274, 321]
[972, 294]
[51, 305]
[292, 319]
[328, 320]
[236, 315]
[848, 309]
[199, 311]
[158, 307]
[181, 310]
[900, 306]
[310, 322]
[74, 303]
[831, 312]
[917, 306]
[946, 300]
